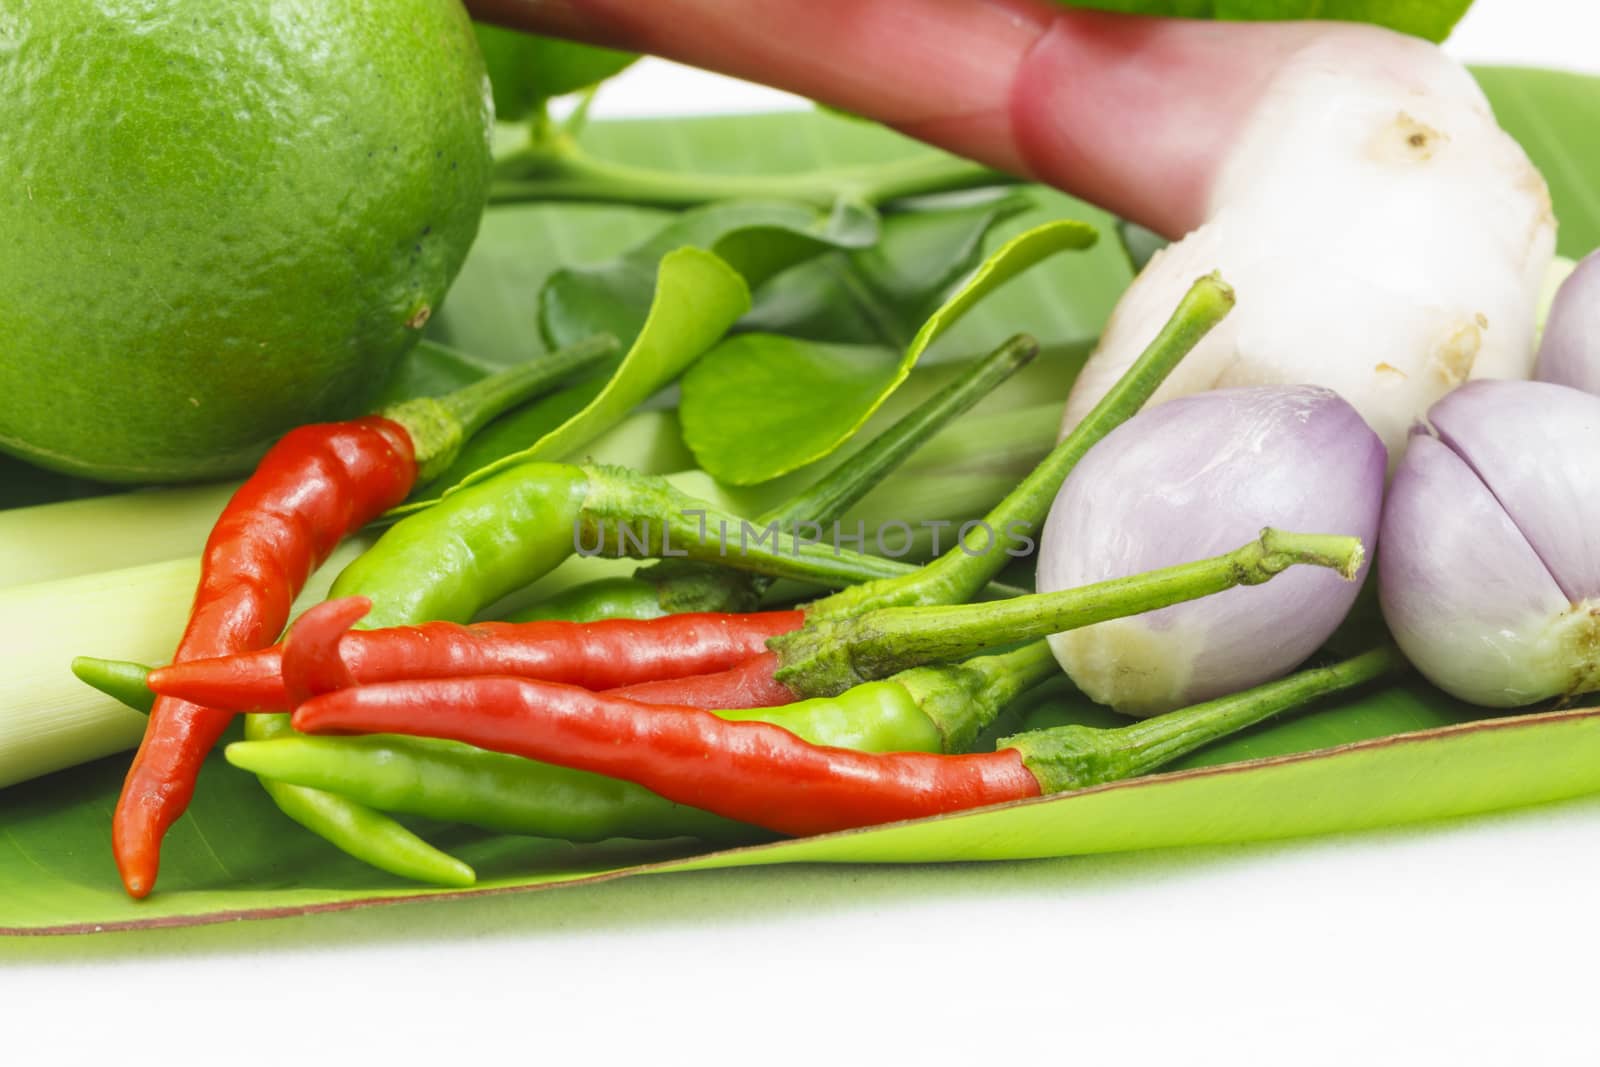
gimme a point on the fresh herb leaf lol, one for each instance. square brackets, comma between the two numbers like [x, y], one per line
[757, 237]
[758, 406]
[526, 69]
[697, 297]
[881, 294]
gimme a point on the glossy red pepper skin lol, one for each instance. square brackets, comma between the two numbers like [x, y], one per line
[596, 655]
[753, 772]
[750, 684]
[313, 488]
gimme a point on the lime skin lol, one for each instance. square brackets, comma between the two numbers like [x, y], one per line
[222, 220]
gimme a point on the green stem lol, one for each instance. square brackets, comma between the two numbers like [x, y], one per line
[439, 426]
[833, 654]
[833, 494]
[1075, 757]
[625, 513]
[956, 576]
[684, 586]
[964, 698]
[478, 404]
[560, 170]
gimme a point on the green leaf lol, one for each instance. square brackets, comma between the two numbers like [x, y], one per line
[233, 857]
[758, 406]
[764, 405]
[1553, 115]
[526, 69]
[491, 310]
[757, 237]
[697, 297]
[882, 294]
[1432, 19]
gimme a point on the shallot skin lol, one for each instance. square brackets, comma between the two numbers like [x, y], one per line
[1189, 479]
[1569, 353]
[1385, 237]
[1489, 577]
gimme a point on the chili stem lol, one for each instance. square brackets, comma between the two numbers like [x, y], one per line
[440, 426]
[1075, 757]
[476, 405]
[560, 170]
[628, 514]
[963, 699]
[957, 576]
[833, 654]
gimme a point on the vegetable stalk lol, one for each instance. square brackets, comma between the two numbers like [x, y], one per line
[1077, 757]
[958, 575]
[557, 169]
[833, 654]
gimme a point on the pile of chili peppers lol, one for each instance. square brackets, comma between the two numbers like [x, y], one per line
[860, 709]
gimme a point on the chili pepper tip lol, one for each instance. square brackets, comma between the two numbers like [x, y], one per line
[311, 662]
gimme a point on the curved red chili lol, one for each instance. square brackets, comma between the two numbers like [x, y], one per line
[312, 489]
[753, 772]
[311, 660]
[596, 655]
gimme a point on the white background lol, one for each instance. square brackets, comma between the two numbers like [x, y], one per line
[1472, 941]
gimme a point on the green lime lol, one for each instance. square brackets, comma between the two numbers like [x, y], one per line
[223, 219]
[527, 69]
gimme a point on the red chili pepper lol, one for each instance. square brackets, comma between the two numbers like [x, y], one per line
[311, 490]
[753, 772]
[749, 685]
[311, 660]
[595, 655]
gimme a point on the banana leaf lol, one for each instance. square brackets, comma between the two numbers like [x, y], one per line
[1348, 764]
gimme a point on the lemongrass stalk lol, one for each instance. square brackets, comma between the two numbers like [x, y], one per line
[48, 719]
[106, 533]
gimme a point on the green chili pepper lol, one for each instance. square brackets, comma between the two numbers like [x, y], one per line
[450, 561]
[356, 829]
[633, 597]
[927, 709]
